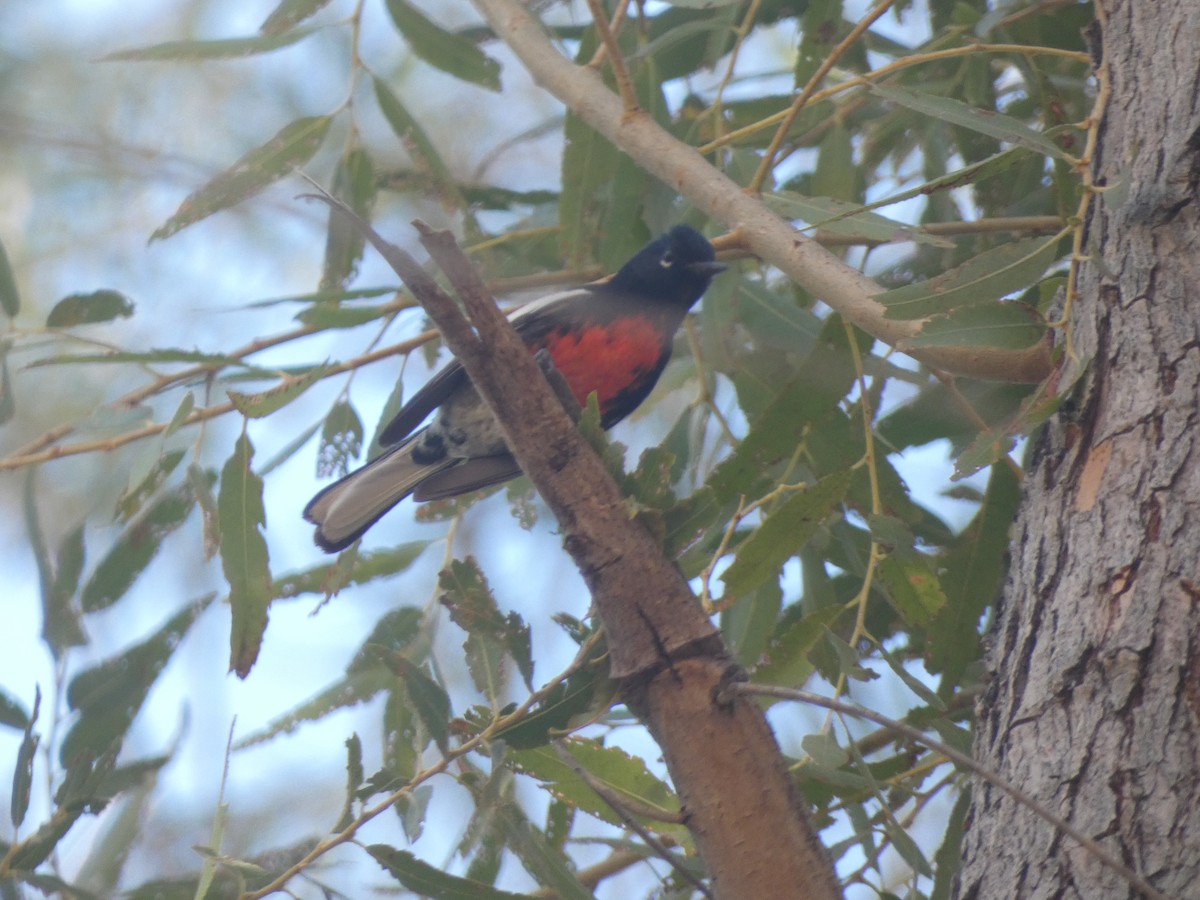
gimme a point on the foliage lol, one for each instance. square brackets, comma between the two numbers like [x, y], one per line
[967, 139]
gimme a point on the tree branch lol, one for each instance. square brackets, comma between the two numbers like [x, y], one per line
[764, 233]
[738, 799]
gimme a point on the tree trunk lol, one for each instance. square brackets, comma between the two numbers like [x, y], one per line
[1094, 706]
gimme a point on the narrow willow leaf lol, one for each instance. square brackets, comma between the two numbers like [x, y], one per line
[850, 219]
[452, 53]
[824, 750]
[589, 164]
[227, 48]
[108, 696]
[784, 531]
[149, 356]
[256, 406]
[428, 698]
[428, 881]
[137, 493]
[955, 112]
[289, 13]
[12, 713]
[972, 574]
[22, 785]
[135, 549]
[61, 627]
[624, 775]
[87, 309]
[341, 440]
[292, 146]
[324, 317]
[244, 555]
[786, 657]
[182, 411]
[354, 779]
[988, 276]
[367, 567]
[948, 859]
[821, 382]
[465, 593]
[10, 297]
[1006, 326]
[426, 157]
[354, 184]
[540, 858]
[912, 586]
[365, 677]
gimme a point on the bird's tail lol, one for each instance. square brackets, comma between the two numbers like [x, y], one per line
[351, 505]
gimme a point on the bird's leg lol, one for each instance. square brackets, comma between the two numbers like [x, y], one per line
[562, 390]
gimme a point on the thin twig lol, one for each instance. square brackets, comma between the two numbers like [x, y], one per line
[963, 761]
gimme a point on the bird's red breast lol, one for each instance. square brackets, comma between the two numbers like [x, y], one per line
[611, 359]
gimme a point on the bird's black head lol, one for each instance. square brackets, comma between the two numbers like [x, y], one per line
[675, 268]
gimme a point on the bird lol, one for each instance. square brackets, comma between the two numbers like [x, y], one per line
[611, 337]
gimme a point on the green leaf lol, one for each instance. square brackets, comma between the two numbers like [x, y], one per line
[465, 593]
[182, 411]
[783, 532]
[227, 48]
[256, 406]
[589, 164]
[87, 309]
[546, 864]
[135, 548]
[290, 12]
[1010, 326]
[452, 53]
[429, 698]
[60, 620]
[428, 881]
[972, 574]
[354, 778]
[325, 317]
[10, 298]
[12, 713]
[22, 785]
[826, 375]
[435, 175]
[341, 440]
[366, 567]
[748, 624]
[148, 356]
[624, 775]
[993, 124]
[137, 492]
[292, 146]
[354, 184]
[948, 859]
[786, 656]
[912, 586]
[108, 696]
[850, 219]
[244, 555]
[988, 276]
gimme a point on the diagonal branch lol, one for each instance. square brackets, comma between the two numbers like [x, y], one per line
[764, 233]
[740, 803]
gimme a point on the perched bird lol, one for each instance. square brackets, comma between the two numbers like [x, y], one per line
[612, 337]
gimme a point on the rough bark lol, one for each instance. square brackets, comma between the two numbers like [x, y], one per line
[1094, 706]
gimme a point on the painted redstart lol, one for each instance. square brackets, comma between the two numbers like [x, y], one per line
[611, 337]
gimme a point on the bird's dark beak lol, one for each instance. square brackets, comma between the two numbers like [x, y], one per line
[707, 268]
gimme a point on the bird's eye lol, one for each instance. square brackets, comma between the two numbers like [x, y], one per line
[668, 260]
